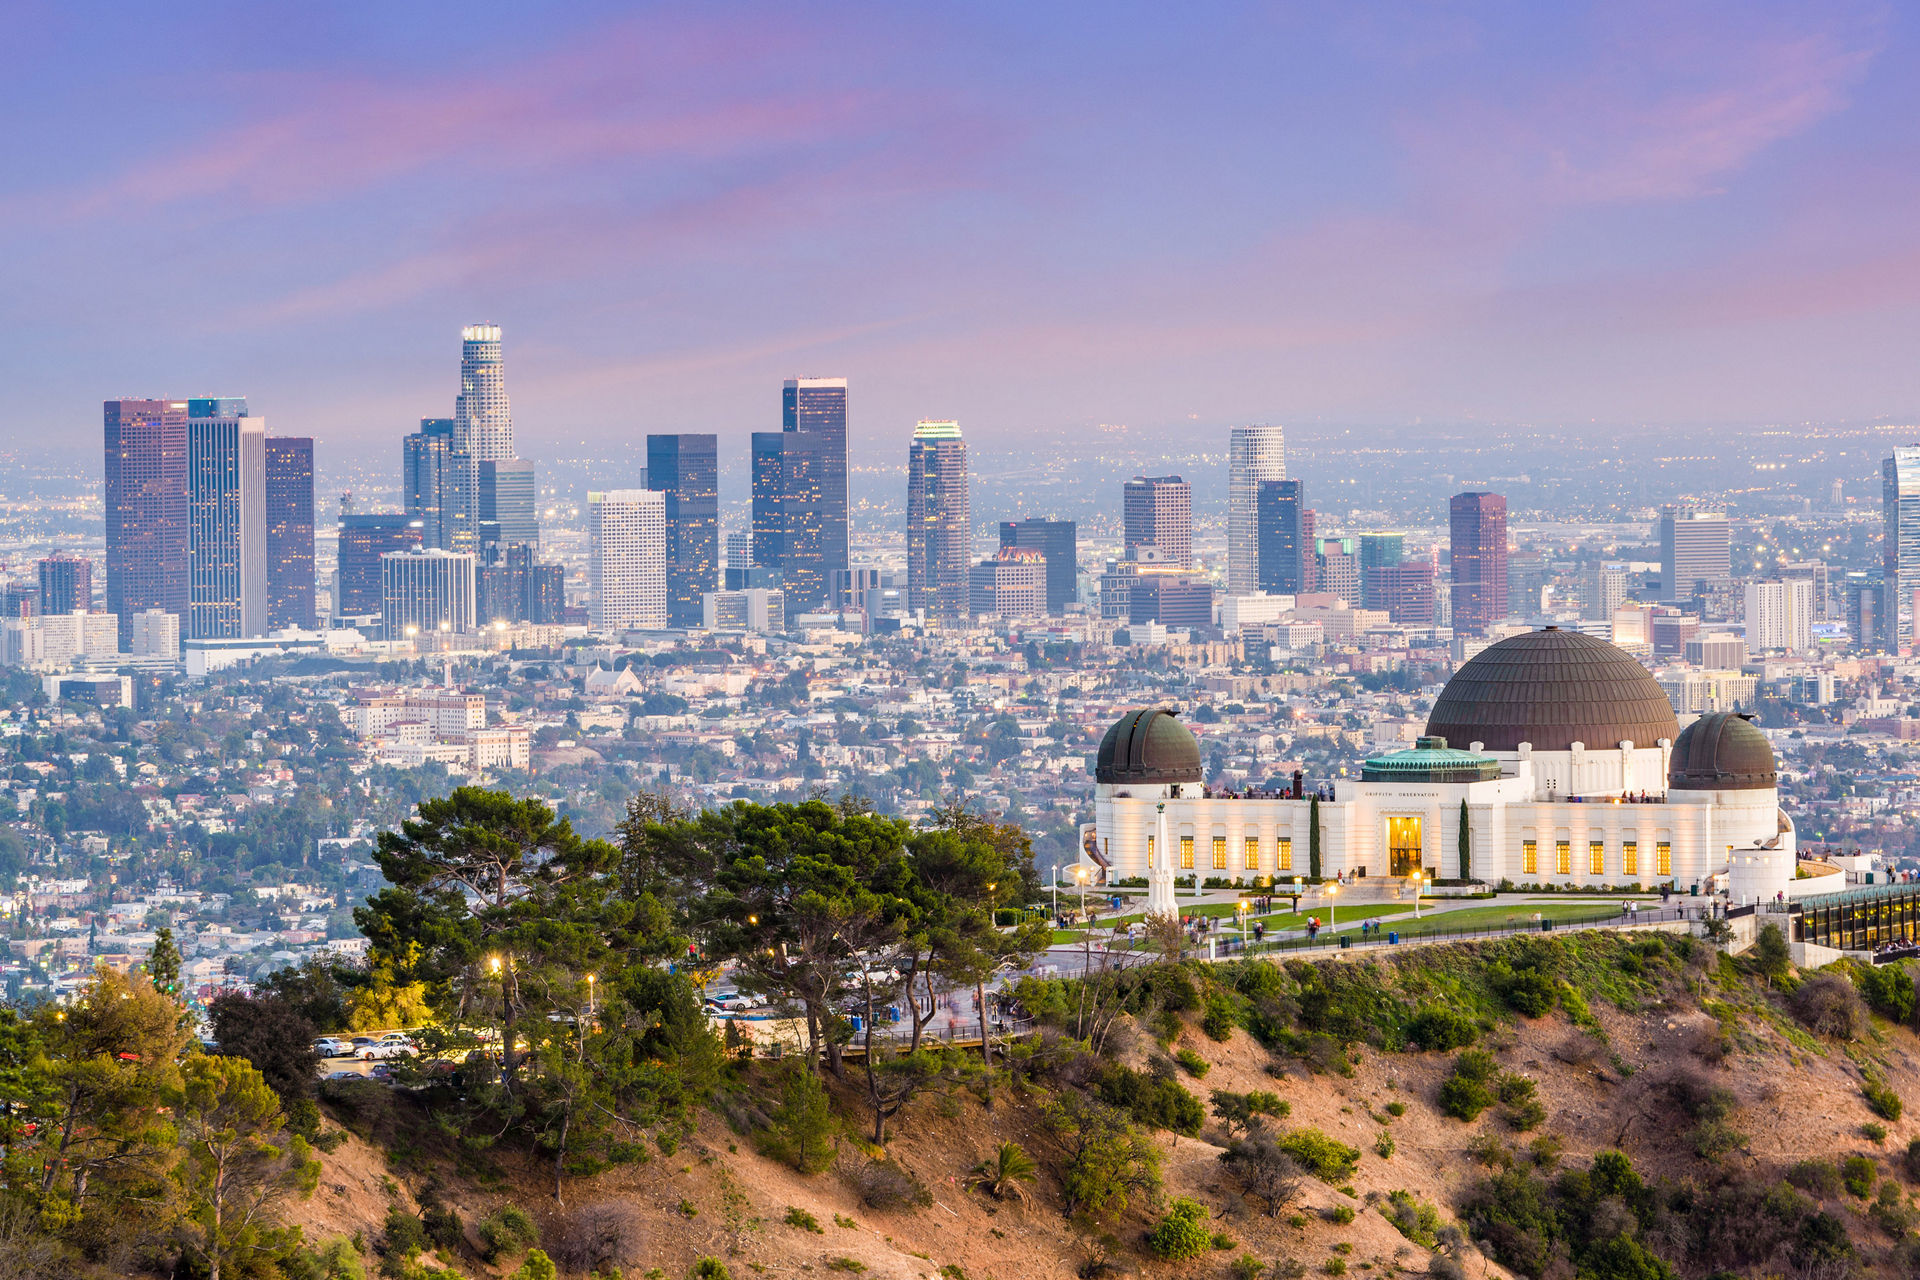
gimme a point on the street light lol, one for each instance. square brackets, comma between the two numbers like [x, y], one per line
[1333, 920]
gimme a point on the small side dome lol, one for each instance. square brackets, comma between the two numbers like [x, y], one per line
[1722, 752]
[1147, 747]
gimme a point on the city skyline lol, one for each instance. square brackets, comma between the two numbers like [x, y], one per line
[1487, 221]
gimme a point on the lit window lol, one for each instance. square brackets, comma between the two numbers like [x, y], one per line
[1186, 853]
[1630, 858]
[1563, 857]
[1663, 858]
[1219, 853]
[1149, 850]
[1253, 853]
[1286, 853]
[1530, 857]
[1596, 858]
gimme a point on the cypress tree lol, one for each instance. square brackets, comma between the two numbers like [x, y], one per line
[1466, 843]
[1313, 837]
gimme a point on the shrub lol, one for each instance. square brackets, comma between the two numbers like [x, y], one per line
[1005, 1173]
[1195, 1065]
[1265, 1171]
[1247, 1111]
[1108, 1162]
[1526, 991]
[1326, 1159]
[1881, 1100]
[506, 1230]
[1438, 1030]
[1383, 1145]
[538, 1266]
[1469, 1090]
[1817, 1177]
[797, 1217]
[1182, 1234]
[1220, 1017]
[1396, 1108]
[1827, 1005]
[1859, 1173]
[1340, 1214]
[1160, 1104]
[852, 1266]
[1912, 1159]
[1412, 1217]
[600, 1237]
[443, 1226]
[1873, 1131]
[1521, 1099]
[884, 1184]
[1246, 1267]
[710, 1269]
[1888, 991]
[405, 1234]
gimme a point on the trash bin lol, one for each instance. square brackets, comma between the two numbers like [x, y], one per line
[1393, 936]
[1345, 941]
[856, 1021]
[1695, 891]
[1546, 924]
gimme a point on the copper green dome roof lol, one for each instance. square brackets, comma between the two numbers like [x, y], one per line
[1430, 760]
[1722, 752]
[1553, 688]
[1148, 746]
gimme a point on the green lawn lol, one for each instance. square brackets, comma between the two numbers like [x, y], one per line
[1519, 913]
[1350, 916]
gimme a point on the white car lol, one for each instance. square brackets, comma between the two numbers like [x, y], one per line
[395, 1044]
[333, 1047]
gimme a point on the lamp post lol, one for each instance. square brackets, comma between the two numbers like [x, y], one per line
[1240, 909]
[1333, 920]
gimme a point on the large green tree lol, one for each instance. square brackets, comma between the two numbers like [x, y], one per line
[237, 1166]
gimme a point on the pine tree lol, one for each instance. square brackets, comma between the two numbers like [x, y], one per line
[1313, 838]
[1466, 845]
[163, 963]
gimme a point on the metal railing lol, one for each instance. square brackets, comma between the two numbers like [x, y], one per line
[1438, 933]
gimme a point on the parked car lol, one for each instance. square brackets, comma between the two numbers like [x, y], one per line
[735, 1003]
[343, 1075]
[392, 1045]
[333, 1047]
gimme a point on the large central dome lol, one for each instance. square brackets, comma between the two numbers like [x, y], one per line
[1553, 688]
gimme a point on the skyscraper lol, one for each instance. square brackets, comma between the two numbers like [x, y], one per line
[939, 521]
[1158, 512]
[482, 417]
[1900, 544]
[1058, 541]
[627, 559]
[1011, 585]
[146, 508]
[507, 497]
[425, 591]
[290, 532]
[1255, 455]
[1779, 615]
[364, 538]
[1477, 539]
[685, 469]
[227, 521]
[1282, 541]
[1404, 589]
[438, 485]
[66, 584]
[1603, 590]
[516, 589]
[1694, 548]
[800, 490]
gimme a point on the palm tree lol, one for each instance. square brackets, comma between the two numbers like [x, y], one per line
[1002, 1174]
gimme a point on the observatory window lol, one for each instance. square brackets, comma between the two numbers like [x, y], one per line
[1663, 858]
[1285, 857]
[1219, 853]
[1596, 858]
[1529, 857]
[1630, 858]
[1563, 857]
[1253, 853]
[1186, 853]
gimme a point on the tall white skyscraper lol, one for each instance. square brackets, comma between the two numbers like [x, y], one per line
[482, 418]
[227, 520]
[627, 564]
[1780, 616]
[425, 591]
[1254, 454]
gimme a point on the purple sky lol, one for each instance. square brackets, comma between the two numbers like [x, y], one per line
[1021, 215]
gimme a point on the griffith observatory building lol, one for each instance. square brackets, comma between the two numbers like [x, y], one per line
[1572, 765]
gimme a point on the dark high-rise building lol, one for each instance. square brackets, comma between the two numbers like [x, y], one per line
[146, 507]
[1158, 512]
[290, 533]
[518, 589]
[1870, 629]
[939, 521]
[1171, 599]
[438, 484]
[800, 490]
[226, 520]
[66, 584]
[1404, 590]
[364, 538]
[1477, 538]
[1283, 538]
[1058, 541]
[686, 468]
[507, 498]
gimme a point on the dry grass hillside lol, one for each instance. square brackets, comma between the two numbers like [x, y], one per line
[1738, 1101]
